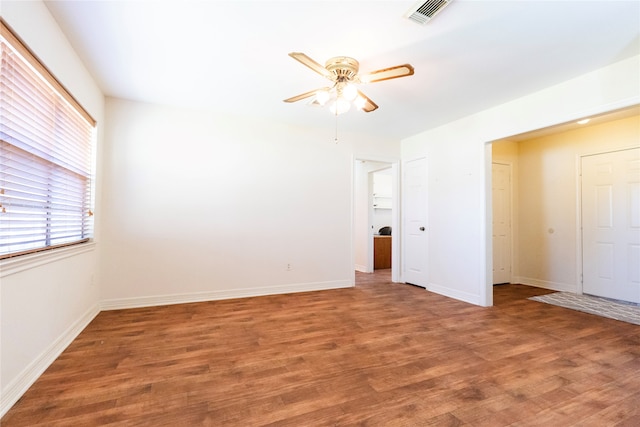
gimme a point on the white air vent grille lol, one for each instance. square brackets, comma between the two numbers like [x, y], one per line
[424, 11]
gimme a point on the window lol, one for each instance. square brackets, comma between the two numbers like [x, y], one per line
[46, 152]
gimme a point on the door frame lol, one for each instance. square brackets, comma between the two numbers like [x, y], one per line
[394, 164]
[579, 242]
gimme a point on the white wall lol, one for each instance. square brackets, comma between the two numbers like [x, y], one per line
[548, 194]
[199, 205]
[460, 261]
[46, 299]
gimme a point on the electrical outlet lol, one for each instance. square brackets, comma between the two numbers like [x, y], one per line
[289, 268]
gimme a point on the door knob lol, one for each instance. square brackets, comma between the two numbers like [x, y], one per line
[421, 228]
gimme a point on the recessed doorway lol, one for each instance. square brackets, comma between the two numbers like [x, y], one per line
[547, 206]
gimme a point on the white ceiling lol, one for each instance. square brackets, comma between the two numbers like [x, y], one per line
[231, 56]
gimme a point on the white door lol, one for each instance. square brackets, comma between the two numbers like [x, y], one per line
[415, 222]
[501, 190]
[611, 225]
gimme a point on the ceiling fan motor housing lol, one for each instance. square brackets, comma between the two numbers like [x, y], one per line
[343, 67]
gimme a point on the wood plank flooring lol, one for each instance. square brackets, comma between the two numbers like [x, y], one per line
[379, 354]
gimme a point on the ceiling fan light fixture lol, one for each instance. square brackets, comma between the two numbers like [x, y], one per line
[339, 106]
[349, 92]
[322, 96]
[343, 72]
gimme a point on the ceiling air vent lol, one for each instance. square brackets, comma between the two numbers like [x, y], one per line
[423, 11]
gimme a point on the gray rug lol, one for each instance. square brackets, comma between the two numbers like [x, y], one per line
[618, 310]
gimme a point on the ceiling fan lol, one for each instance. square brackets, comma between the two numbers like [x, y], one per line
[343, 72]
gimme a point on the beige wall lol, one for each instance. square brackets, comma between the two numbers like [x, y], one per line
[546, 187]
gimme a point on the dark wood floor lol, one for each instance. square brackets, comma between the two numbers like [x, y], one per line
[379, 354]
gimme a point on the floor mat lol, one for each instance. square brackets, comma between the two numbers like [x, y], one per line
[619, 310]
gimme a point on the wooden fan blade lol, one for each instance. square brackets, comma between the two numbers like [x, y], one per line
[305, 95]
[305, 60]
[369, 105]
[387, 73]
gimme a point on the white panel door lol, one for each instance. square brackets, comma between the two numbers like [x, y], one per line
[611, 225]
[501, 188]
[414, 192]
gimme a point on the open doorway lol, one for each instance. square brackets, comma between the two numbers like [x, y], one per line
[375, 216]
[548, 250]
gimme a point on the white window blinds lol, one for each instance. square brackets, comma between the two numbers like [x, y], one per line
[46, 143]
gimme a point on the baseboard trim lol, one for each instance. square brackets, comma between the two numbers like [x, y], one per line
[361, 268]
[151, 301]
[453, 293]
[32, 372]
[554, 286]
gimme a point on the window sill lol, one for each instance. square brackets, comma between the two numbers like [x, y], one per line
[15, 265]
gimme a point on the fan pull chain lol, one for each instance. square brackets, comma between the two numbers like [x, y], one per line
[336, 138]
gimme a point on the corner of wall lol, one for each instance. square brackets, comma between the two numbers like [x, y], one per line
[13, 391]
